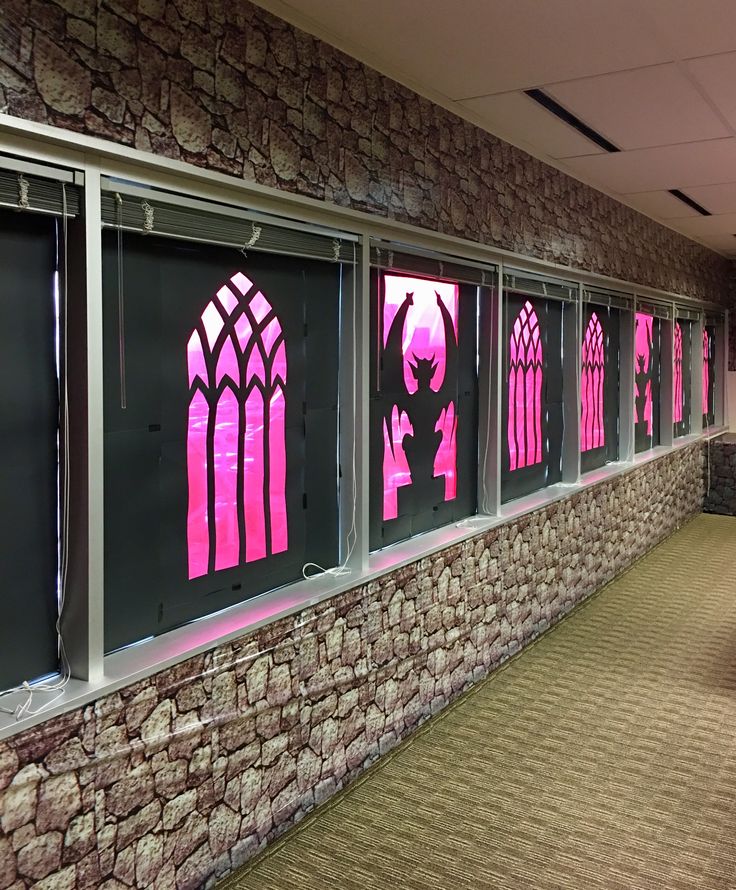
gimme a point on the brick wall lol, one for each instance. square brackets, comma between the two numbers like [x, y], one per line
[721, 494]
[176, 780]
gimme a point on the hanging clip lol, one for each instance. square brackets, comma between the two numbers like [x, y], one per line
[390, 259]
[147, 217]
[255, 234]
[23, 202]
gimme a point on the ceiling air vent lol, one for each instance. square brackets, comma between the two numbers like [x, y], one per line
[681, 196]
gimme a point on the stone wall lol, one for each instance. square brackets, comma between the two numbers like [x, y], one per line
[721, 493]
[176, 780]
[230, 87]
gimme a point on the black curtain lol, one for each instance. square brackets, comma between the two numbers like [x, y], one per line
[166, 286]
[29, 447]
[422, 505]
[524, 480]
[611, 324]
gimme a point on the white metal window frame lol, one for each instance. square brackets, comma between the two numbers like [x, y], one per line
[94, 673]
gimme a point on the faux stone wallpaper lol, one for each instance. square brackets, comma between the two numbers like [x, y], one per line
[176, 780]
[721, 468]
[231, 87]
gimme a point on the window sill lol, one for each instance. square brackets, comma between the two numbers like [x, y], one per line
[148, 657]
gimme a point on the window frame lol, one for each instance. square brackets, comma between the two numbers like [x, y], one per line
[95, 674]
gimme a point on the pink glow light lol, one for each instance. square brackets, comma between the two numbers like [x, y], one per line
[592, 429]
[524, 429]
[423, 332]
[240, 369]
[643, 360]
[423, 338]
[679, 394]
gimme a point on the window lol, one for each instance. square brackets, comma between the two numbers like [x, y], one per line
[424, 407]
[681, 379]
[599, 386]
[221, 427]
[29, 430]
[646, 381]
[709, 375]
[532, 401]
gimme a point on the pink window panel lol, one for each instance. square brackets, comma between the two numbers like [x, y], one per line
[706, 371]
[236, 436]
[524, 429]
[643, 370]
[592, 428]
[678, 405]
[423, 339]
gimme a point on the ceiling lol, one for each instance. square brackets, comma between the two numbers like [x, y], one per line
[657, 78]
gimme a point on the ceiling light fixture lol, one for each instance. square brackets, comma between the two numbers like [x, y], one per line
[541, 98]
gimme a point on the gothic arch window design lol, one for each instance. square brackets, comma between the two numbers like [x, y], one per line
[706, 372]
[236, 439]
[593, 433]
[644, 349]
[679, 388]
[524, 430]
[419, 369]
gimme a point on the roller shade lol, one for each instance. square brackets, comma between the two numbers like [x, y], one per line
[200, 221]
[38, 194]
[393, 257]
[603, 297]
[540, 286]
[657, 310]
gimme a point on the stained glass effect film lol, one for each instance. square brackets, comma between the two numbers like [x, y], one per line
[678, 403]
[236, 448]
[524, 428]
[592, 383]
[420, 333]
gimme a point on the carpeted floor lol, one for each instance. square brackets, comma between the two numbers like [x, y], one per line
[603, 757]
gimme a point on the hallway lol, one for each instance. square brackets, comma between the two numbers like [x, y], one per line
[603, 757]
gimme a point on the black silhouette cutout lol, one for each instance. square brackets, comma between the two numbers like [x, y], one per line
[423, 407]
[643, 378]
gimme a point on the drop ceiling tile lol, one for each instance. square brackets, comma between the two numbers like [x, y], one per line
[690, 28]
[719, 198]
[476, 47]
[723, 224]
[641, 108]
[717, 75]
[519, 119]
[660, 205]
[656, 169]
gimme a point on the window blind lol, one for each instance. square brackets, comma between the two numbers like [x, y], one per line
[390, 256]
[532, 285]
[601, 296]
[38, 194]
[200, 221]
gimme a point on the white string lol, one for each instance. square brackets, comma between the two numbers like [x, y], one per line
[352, 535]
[24, 709]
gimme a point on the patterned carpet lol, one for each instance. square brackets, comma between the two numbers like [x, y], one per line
[603, 757]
